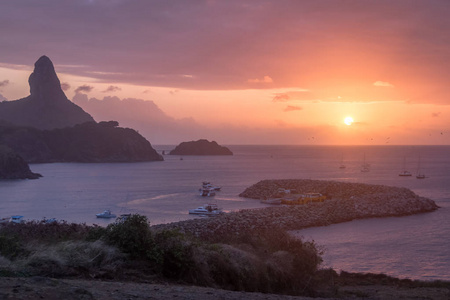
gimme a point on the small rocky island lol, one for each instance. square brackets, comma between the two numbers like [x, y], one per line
[12, 166]
[345, 202]
[200, 147]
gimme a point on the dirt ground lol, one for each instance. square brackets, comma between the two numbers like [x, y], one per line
[49, 288]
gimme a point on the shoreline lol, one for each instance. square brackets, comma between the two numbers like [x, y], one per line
[345, 202]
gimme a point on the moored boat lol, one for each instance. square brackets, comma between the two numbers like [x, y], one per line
[419, 174]
[122, 217]
[207, 192]
[16, 219]
[404, 173]
[273, 201]
[207, 210]
[303, 199]
[106, 214]
[208, 185]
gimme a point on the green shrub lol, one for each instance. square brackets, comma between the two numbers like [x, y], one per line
[132, 236]
[175, 253]
[10, 246]
[46, 232]
[95, 233]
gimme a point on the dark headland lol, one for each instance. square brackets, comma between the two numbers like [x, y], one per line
[47, 127]
[13, 166]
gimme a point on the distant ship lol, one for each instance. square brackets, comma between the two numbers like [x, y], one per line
[404, 173]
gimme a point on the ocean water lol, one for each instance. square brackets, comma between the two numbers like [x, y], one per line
[408, 247]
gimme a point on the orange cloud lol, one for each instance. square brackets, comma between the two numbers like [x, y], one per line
[293, 95]
[292, 108]
[383, 84]
[266, 79]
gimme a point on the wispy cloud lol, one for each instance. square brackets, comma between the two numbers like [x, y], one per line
[4, 83]
[112, 89]
[383, 84]
[292, 108]
[281, 97]
[84, 89]
[436, 114]
[293, 95]
[265, 79]
[65, 86]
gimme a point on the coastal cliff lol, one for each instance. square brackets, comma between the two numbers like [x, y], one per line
[346, 202]
[87, 142]
[12, 166]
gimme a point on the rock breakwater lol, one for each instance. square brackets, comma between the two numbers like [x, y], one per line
[345, 202]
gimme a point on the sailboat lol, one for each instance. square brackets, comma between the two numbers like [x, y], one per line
[365, 166]
[419, 175]
[342, 166]
[404, 173]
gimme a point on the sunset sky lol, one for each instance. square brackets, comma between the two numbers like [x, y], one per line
[244, 71]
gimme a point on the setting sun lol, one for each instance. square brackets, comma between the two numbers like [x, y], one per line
[348, 121]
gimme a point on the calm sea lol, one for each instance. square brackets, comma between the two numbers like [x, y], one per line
[408, 247]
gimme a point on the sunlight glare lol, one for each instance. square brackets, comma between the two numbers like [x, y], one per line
[348, 121]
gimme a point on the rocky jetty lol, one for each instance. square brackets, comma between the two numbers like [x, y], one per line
[47, 107]
[12, 166]
[346, 202]
[200, 147]
[87, 142]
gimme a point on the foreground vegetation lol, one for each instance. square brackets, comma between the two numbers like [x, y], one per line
[269, 261]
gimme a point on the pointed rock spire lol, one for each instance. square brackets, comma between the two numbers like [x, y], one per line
[44, 83]
[47, 107]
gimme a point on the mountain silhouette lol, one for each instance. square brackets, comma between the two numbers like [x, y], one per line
[47, 107]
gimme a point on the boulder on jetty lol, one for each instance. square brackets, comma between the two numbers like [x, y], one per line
[200, 147]
[345, 202]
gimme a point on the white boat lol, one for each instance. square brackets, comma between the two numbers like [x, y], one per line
[106, 214]
[404, 173]
[419, 175]
[365, 167]
[272, 201]
[342, 165]
[16, 219]
[49, 221]
[122, 218]
[208, 185]
[207, 210]
[207, 192]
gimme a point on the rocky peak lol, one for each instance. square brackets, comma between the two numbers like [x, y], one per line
[44, 83]
[47, 107]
